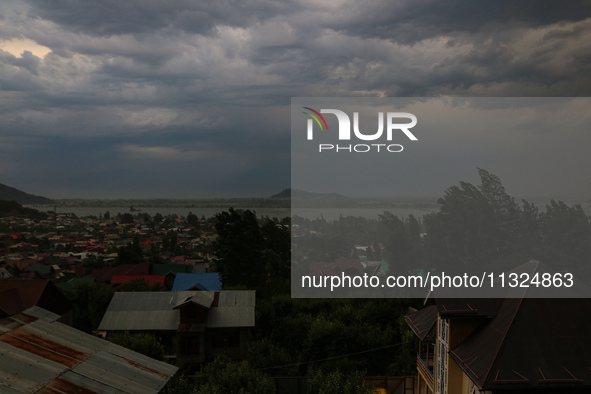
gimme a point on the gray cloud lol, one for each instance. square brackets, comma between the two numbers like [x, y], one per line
[145, 89]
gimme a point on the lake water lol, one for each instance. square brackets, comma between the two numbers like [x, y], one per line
[329, 214]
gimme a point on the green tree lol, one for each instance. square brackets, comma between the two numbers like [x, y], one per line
[158, 218]
[193, 221]
[476, 227]
[398, 240]
[91, 262]
[143, 343]
[565, 240]
[223, 376]
[178, 384]
[90, 301]
[139, 285]
[238, 248]
[130, 254]
[127, 218]
[320, 382]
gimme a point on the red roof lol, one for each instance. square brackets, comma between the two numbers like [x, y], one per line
[30, 290]
[11, 301]
[149, 279]
[105, 274]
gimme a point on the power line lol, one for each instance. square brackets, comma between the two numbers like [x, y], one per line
[336, 357]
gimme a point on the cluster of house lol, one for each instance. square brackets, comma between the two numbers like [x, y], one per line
[56, 248]
[192, 319]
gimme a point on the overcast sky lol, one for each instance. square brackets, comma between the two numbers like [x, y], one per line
[179, 98]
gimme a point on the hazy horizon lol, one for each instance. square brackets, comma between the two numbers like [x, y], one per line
[148, 99]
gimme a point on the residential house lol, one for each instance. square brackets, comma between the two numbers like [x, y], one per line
[105, 274]
[504, 346]
[118, 280]
[192, 326]
[39, 292]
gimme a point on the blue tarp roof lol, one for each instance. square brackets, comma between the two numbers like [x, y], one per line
[203, 281]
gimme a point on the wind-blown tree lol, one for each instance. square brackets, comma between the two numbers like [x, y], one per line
[476, 226]
[566, 237]
[482, 227]
[401, 240]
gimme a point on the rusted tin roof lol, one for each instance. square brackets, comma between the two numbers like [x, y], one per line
[39, 354]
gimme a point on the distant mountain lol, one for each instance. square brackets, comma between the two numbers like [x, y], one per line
[286, 193]
[303, 198]
[11, 194]
[11, 208]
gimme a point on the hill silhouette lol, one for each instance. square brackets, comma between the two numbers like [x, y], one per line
[12, 208]
[11, 194]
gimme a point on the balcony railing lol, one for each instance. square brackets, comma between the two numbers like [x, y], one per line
[426, 371]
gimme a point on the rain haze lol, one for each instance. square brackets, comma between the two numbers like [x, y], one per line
[143, 99]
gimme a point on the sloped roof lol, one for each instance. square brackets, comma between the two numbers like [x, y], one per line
[234, 309]
[11, 302]
[531, 343]
[475, 307]
[200, 298]
[143, 311]
[157, 311]
[163, 269]
[197, 281]
[37, 353]
[74, 282]
[149, 279]
[30, 289]
[423, 323]
[105, 274]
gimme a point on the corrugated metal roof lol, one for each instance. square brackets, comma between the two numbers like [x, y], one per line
[151, 311]
[38, 352]
[233, 298]
[231, 317]
[235, 309]
[203, 298]
[140, 320]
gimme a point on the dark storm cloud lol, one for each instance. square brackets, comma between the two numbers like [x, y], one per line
[195, 95]
[409, 21]
[113, 17]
